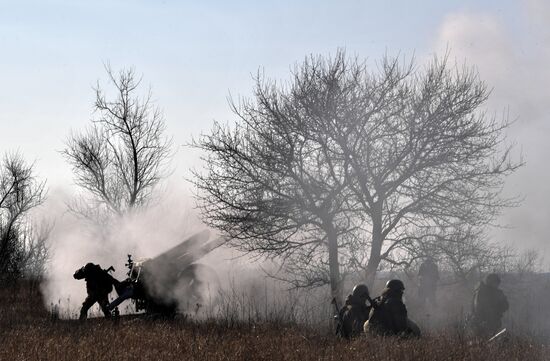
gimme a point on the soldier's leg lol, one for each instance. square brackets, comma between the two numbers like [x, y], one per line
[104, 304]
[431, 297]
[421, 296]
[88, 302]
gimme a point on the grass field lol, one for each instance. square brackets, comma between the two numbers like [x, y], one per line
[28, 332]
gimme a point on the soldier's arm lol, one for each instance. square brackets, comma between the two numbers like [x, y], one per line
[79, 274]
[482, 303]
[504, 302]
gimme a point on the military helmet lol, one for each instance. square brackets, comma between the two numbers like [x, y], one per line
[492, 279]
[395, 285]
[360, 290]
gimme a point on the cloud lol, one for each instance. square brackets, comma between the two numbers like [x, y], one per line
[538, 11]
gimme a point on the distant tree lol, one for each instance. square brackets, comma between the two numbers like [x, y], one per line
[465, 252]
[123, 155]
[388, 155]
[34, 249]
[20, 192]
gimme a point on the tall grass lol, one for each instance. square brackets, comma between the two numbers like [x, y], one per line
[234, 332]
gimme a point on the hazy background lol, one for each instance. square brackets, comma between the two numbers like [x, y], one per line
[194, 55]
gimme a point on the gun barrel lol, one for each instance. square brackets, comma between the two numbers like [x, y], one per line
[500, 333]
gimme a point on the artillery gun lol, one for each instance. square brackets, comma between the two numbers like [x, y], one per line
[158, 285]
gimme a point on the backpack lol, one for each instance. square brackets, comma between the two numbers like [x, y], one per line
[100, 278]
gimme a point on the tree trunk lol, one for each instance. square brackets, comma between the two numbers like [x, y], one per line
[376, 246]
[334, 265]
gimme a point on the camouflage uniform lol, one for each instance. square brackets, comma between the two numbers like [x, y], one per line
[98, 285]
[388, 315]
[355, 312]
[489, 305]
[428, 276]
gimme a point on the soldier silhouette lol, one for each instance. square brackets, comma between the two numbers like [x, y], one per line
[355, 312]
[99, 283]
[489, 305]
[388, 314]
[428, 276]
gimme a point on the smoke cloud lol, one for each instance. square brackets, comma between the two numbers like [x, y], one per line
[224, 273]
[75, 242]
[513, 57]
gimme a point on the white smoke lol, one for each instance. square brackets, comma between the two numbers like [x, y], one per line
[513, 58]
[75, 241]
[171, 219]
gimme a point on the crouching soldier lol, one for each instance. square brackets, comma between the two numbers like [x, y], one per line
[489, 305]
[99, 283]
[388, 315]
[355, 312]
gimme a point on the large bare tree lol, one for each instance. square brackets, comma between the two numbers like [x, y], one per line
[392, 155]
[423, 154]
[20, 191]
[123, 155]
[273, 188]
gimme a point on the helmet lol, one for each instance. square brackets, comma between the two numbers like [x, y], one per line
[492, 279]
[360, 290]
[395, 285]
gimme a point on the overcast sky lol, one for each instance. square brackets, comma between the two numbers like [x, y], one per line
[194, 54]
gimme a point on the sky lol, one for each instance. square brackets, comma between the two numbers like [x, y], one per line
[195, 54]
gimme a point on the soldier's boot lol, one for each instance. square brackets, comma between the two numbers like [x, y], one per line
[83, 315]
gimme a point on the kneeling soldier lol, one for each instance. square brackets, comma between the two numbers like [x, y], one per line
[388, 315]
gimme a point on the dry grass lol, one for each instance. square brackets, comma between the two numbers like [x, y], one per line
[28, 333]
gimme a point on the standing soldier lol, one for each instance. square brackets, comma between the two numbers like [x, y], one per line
[99, 283]
[489, 305]
[428, 276]
[355, 312]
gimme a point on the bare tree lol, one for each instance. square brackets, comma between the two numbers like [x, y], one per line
[383, 158]
[422, 153]
[275, 190]
[34, 249]
[20, 191]
[123, 155]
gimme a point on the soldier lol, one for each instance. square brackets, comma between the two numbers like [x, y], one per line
[99, 283]
[388, 315]
[428, 276]
[355, 312]
[489, 305]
